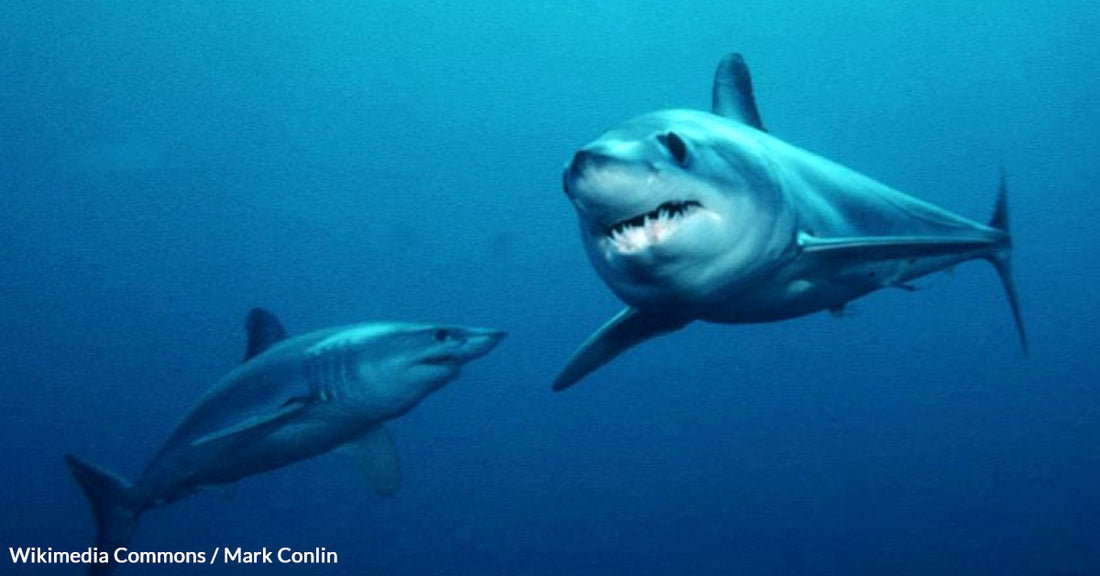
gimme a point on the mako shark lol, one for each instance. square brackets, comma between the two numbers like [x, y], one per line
[688, 215]
[290, 400]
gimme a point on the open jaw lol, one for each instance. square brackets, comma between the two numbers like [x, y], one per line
[649, 228]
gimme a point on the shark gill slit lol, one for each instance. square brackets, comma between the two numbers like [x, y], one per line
[344, 366]
[328, 374]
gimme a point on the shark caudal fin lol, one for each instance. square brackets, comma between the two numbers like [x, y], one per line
[116, 518]
[1002, 260]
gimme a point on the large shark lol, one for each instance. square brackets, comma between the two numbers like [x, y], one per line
[291, 399]
[688, 215]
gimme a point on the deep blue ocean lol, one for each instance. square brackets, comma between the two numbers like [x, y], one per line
[165, 167]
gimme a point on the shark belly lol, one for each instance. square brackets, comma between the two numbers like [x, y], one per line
[303, 431]
[188, 468]
[800, 290]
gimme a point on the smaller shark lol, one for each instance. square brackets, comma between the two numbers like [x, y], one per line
[689, 215]
[290, 400]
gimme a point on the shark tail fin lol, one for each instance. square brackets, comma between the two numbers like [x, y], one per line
[1002, 260]
[115, 515]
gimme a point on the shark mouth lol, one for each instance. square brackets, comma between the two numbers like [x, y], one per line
[641, 231]
[441, 360]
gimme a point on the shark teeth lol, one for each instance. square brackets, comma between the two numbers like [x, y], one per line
[644, 229]
[664, 211]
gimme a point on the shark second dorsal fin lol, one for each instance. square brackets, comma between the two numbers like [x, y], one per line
[264, 330]
[732, 95]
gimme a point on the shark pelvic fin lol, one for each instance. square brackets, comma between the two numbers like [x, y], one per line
[377, 456]
[732, 96]
[626, 330]
[264, 330]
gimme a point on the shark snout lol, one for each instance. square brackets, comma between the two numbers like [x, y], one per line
[579, 163]
[597, 171]
[586, 161]
[575, 170]
[479, 342]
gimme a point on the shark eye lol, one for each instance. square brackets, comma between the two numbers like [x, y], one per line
[676, 147]
[441, 335]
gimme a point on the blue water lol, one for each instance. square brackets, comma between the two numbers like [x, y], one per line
[164, 167]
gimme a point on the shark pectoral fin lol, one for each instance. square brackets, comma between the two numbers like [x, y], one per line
[877, 248]
[626, 330]
[250, 428]
[731, 96]
[377, 456]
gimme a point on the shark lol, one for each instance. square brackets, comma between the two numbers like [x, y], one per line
[291, 399]
[692, 215]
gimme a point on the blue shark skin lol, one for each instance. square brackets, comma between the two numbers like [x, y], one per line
[292, 399]
[689, 215]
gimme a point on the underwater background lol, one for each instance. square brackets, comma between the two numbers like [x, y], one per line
[164, 167]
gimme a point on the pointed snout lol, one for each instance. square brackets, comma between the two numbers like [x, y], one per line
[602, 156]
[585, 163]
[575, 169]
[579, 163]
[479, 342]
[589, 158]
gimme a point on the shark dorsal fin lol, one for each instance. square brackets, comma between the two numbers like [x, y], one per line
[264, 330]
[732, 93]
